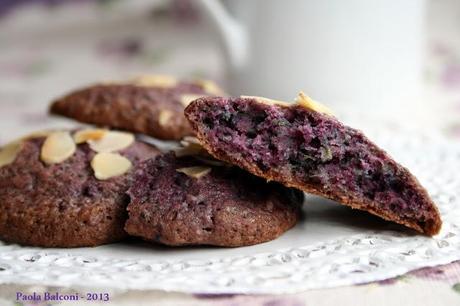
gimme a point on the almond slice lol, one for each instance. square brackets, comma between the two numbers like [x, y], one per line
[190, 150]
[58, 146]
[82, 136]
[190, 146]
[190, 140]
[9, 153]
[164, 81]
[185, 100]
[112, 141]
[210, 87]
[195, 172]
[164, 117]
[268, 101]
[107, 165]
[307, 102]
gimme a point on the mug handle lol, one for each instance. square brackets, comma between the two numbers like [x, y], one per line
[233, 36]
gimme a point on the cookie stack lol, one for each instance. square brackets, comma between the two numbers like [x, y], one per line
[238, 183]
[87, 187]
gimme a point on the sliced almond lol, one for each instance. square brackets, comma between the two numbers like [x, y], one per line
[190, 139]
[190, 150]
[107, 165]
[88, 134]
[9, 153]
[210, 87]
[195, 172]
[307, 102]
[164, 81]
[164, 117]
[190, 146]
[187, 99]
[57, 147]
[267, 101]
[112, 141]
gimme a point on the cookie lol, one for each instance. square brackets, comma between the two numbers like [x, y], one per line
[302, 145]
[152, 105]
[67, 189]
[190, 201]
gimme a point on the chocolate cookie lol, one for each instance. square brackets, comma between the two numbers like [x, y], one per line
[67, 189]
[301, 145]
[152, 105]
[188, 201]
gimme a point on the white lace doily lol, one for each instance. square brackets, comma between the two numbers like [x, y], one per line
[333, 246]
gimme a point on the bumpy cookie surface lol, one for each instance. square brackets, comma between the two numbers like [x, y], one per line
[152, 105]
[185, 201]
[67, 189]
[300, 145]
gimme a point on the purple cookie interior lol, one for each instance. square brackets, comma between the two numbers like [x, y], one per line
[304, 148]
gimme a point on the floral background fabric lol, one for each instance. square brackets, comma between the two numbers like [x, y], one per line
[48, 47]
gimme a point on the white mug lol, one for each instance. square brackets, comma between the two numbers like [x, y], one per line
[346, 53]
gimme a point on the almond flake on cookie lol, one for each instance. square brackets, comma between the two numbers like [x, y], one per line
[112, 141]
[58, 147]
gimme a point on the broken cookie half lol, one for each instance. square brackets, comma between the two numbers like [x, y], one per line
[303, 145]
